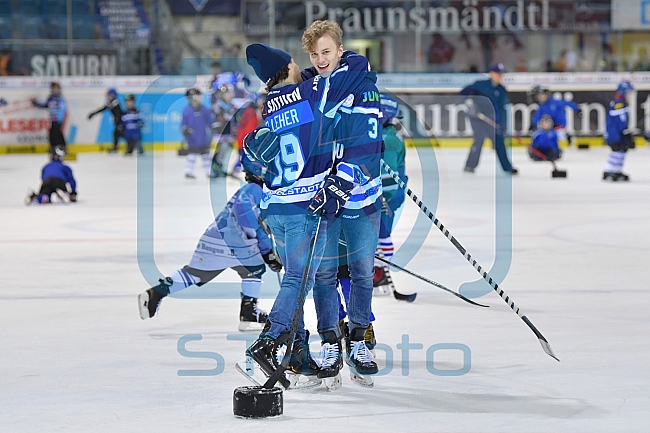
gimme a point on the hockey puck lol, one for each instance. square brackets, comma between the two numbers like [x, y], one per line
[558, 173]
[583, 146]
[257, 402]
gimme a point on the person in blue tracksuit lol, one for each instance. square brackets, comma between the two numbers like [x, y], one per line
[490, 99]
[552, 107]
[196, 125]
[56, 106]
[235, 240]
[358, 135]
[617, 135]
[544, 142]
[132, 123]
[296, 143]
[57, 179]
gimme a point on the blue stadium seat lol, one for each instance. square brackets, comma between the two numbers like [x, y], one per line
[28, 27]
[81, 7]
[6, 27]
[54, 7]
[83, 27]
[30, 7]
[6, 7]
[56, 27]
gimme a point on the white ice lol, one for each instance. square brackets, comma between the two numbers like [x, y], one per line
[77, 358]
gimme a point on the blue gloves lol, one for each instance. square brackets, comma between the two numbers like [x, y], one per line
[329, 200]
[262, 145]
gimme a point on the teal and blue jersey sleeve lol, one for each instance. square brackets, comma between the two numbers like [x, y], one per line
[246, 213]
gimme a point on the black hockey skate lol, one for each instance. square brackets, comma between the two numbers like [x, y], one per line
[264, 352]
[615, 177]
[360, 359]
[331, 360]
[149, 301]
[251, 317]
[32, 198]
[302, 364]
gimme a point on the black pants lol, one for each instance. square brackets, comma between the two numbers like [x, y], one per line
[482, 131]
[133, 144]
[51, 184]
[117, 133]
[56, 136]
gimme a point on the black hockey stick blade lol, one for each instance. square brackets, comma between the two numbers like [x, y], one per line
[402, 297]
[426, 280]
[542, 340]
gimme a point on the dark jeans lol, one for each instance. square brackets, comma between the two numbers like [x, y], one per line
[482, 131]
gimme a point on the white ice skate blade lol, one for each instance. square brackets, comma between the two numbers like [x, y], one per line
[333, 383]
[366, 380]
[251, 371]
[143, 298]
[382, 290]
[307, 382]
[250, 326]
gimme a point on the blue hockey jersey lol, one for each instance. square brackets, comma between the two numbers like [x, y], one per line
[359, 145]
[555, 108]
[56, 106]
[303, 117]
[545, 140]
[200, 121]
[132, 120]
[616, 123]
[59, 170]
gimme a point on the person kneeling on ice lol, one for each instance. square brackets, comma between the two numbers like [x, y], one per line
[544, 143]
[197, 124]
[57, 179]
[234, 240]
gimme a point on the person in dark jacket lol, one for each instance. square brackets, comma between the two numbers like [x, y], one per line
[488, 117]
[114, 106]
[57, 179]
[56, 106]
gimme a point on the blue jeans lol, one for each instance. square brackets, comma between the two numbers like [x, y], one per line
[293, 235]
[360, 232]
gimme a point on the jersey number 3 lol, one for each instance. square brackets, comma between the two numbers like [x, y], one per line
[290, 162]
[372, 125]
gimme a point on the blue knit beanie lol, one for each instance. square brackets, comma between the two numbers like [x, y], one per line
[266, 61]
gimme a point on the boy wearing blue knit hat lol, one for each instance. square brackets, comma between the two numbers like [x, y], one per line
[296, 144]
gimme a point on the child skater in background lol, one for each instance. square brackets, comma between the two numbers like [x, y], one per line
[114, 106]
[197, 124]
[132, 122]
[544, 143]
[617, 134]
[57, 179]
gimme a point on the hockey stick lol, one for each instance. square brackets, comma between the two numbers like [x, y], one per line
[296, 315]
[433, 283]
[545, 345]
[268, 231]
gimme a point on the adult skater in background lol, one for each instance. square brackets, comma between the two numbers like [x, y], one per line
[132, 122]
[494, 107]
[234, 240]
[56, 106]
[197, 125]
[115, 108]
[356, 170]
[552, 107]
[297, 146]
[617, 134]
[57, 179]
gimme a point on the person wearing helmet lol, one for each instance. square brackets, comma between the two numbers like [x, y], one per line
[555, 108]
[234, 240]
[544, 142]
[617, 134]
[132, 122]
[57, 179]
[196, 126]
[115, 108]
[56, 106]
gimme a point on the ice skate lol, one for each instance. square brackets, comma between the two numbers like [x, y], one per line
[360, 359]
[190, 176]
[149, 301]
[63, 196]
[303, 370]
[331, 360]
[263, 352]
[32, 197]
[381, 283]
[251, 317]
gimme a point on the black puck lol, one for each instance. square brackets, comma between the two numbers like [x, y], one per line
[583, 146]
[257, 402]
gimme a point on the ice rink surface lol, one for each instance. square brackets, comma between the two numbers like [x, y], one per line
[77, 358]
